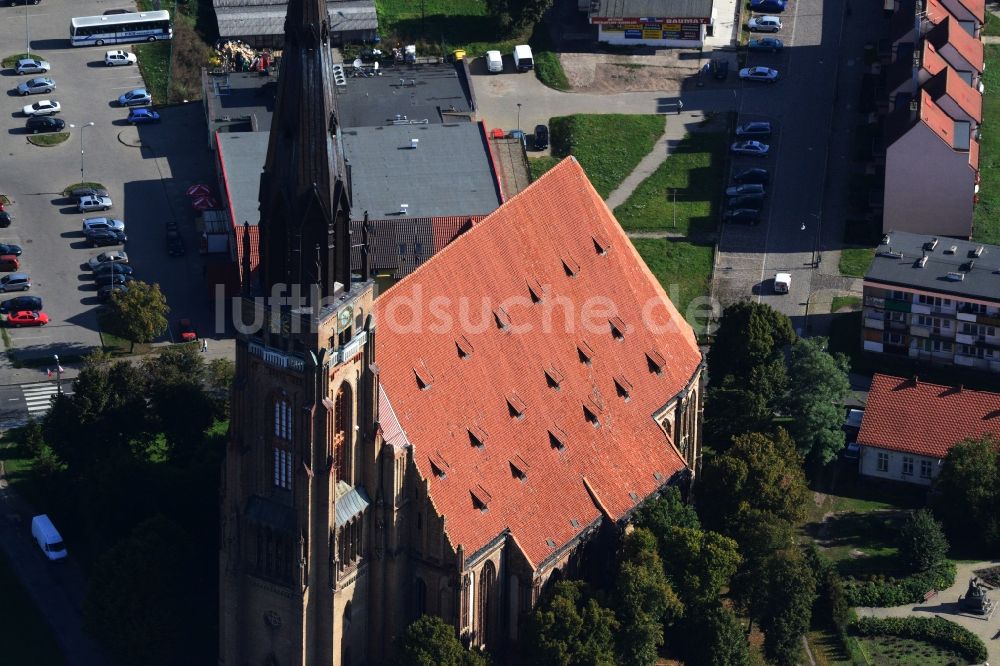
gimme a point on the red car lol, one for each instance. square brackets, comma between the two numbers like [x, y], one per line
[186, 330]
[27, 318]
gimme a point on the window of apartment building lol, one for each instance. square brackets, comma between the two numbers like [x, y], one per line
[883, 462]
[925, 469]
[974, 308]
[936, 346]
[977, 352]
[892, 338]
[900, 296]
[897, 316]
[924, 320]
[936, 301]
[282, 469]
[978, 330]
[908, 465]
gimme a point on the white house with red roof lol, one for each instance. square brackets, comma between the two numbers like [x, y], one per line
[909, 425]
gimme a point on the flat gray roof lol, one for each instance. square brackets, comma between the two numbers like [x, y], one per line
[241, 95]
[242, 155]
[897, 262]
[651, 8]
[240, 18]
[418, 92]
[449, 173]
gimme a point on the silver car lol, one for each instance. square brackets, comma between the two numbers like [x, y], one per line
[32, 66]
[41, 84]
[90, 203]
[92, 224]
[764, 24]
[763, 74]
[109, 257]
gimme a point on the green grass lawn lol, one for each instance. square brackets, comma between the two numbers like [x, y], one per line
[11, 60]
[25, 636]
[17, 469]
[987, 218]
[694, 172]
[854, 261]
[154, 63]
[48, 140]
[684, 269]
[839, 302]
[540, 165]
[440, 26]
[992, 26]
[895, 651]
[608, 146]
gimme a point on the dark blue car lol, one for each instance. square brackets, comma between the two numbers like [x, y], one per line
[140, 116]
[768, 5]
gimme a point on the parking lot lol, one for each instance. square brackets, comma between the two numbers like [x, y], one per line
[145, 170]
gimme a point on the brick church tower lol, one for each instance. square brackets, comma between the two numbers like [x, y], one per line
[300, 464]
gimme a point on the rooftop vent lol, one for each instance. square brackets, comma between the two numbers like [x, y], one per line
[955, 277]
[414, 143]
[951, 250]
[931, 244]
[658, 476]
[403, 208]
[550, 543]
[969, 265]
[633, 495]
[574, 522]
[978, 252]
[890, 254]
[922, 261]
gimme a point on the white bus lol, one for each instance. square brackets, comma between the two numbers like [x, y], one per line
[120, 28]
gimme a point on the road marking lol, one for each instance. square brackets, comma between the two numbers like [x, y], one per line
[38, 397]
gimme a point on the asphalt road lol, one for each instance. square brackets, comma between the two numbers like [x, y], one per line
[140, 180]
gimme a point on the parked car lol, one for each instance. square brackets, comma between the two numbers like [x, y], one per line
[10, 248]
[106, 292]
[44, 124]
[6, 219]
[755, 175]
[15, 282]
[760, 74]
[768, 5]
[851, 428]
[119, 57]
[142, 116]
[45, 107]
[112, 279]
[113, 267]
[90, 203]
[103, 237]
[43, 531]
[744, 188]
[764, 24]
[8, 263]
[88, 191]
[27, 318]
[92, 224]
[175, 244]
[756, 128]
[743, 216]
[719, 68]
[782, 283]
[21, 303]
[137, 97]
[32, 66]
[751, 201]
[523, 58]
[186, 331]
[541, 137]
[767, 44]
[41, 84]
[111, 256]
[752, 148]
[494, 62]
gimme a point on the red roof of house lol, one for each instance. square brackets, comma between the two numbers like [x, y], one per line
[932, 60]
[253, 232]
[925, 419]
[948, 31]
[976, 7]
[948, 83]
[482, 350]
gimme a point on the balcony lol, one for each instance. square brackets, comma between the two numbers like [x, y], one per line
[276, 358]
[348, 351]
[900, 306]
[920, 331]
[966, 316]
[875, 323]
[875, 301]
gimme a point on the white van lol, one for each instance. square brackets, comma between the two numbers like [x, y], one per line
[47, 536]
[494, 62]
[782, 283]
[523, 60]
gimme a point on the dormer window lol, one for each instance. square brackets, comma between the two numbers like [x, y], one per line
[623, 388]
[477, 437]
[570, 267]
[535, 291]
[423, 376]
[438, 472]
[557, 438]
[585, 352]
[591, 417]
[656, 362]
[517, 472]
[516, 406]
[553, 379]
[481, 498]
[464, 347]
[502, 319]
[617, 328]
[601, 245]
[439, 466]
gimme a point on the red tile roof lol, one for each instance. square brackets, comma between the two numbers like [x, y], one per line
[976, 7]
[569, 465]
[932, 60]
[237, 247]
[948, 83]
[925, 419]
[948, 31]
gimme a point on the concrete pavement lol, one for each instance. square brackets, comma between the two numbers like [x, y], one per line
[945, 605]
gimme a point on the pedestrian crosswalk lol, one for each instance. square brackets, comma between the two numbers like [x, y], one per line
[38, 397]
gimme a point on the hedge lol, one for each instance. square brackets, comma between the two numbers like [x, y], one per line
[883, 592]
[935, 630]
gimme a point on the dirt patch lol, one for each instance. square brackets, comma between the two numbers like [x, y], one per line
[667, 70]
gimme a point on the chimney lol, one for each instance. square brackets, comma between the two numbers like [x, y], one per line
[414, 143]
[403, 208]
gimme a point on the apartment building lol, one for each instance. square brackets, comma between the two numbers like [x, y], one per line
[934, 299]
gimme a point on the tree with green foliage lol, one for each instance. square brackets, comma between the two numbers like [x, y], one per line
[818, 386]
[658, 514]
[644, 600]
[136, 603]
[787, 610]
[968, 492]
[138, 314]
[699, 564]
[831, 607]
[570, 628]
[429, 641]
[922, 543]
[715, 638]
[219, 381]
[515, 16]
[177, 386]
[734, 409]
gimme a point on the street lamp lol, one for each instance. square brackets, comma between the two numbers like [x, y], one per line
[518, 116]
[27, 40]
[59, 372]
[82, 126]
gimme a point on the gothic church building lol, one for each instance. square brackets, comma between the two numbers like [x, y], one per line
[452, 445]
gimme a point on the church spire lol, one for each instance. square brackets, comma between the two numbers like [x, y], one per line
[305, 199]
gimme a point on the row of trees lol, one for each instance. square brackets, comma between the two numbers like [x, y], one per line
[129, 464]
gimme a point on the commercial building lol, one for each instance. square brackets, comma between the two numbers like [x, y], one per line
[666, 23]
[935, 300]
[909, 425]
[261, 23]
